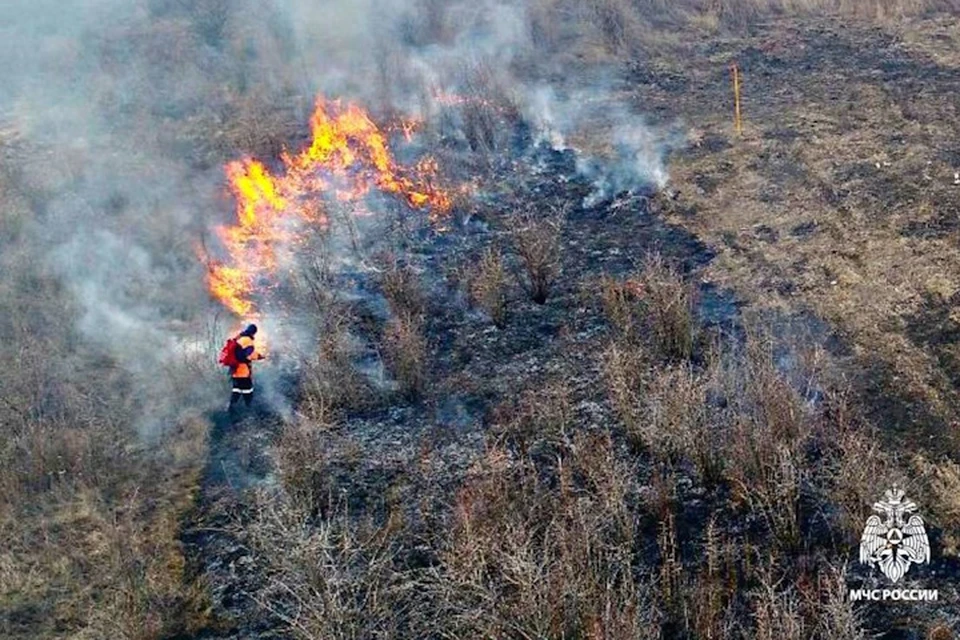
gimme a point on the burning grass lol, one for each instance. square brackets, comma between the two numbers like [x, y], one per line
[348, 156]
[574, 473]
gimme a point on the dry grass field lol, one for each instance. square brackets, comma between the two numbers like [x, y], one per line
[660, 415]
[841, 195]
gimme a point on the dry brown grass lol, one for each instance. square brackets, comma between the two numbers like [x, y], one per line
[668, 304]
[940, 484]
[406, 349]
[329, 383]
[89, 512]
[99, 556]
[333, 579]
[626, 373]
[654, 307]
[488, 286]
[301, 457]
[401, 288]
[535, 236]
[537, 419]
[404, 340]
[552, 561]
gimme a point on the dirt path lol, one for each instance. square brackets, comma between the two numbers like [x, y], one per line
[218, 561]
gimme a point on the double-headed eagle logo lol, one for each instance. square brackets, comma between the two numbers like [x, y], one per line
[892, 543]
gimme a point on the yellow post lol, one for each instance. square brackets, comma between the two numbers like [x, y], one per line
[737, 120]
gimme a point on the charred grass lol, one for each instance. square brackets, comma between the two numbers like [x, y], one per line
[720, 499]
[626, 474]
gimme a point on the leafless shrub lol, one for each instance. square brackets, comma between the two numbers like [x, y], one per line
[301, 457]
[329, 383]
[335, 578]
[679, 423]
[488, 287]
[540, 417]
[529, 558]
[714, 586]
[766, 466]
[777, 612]
[852, 473]
[402, 290]
[536, 240]
[835, 614]
[671, 568]
[486, 107]
[405, 348]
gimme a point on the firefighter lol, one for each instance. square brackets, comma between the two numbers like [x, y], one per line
[241, 374]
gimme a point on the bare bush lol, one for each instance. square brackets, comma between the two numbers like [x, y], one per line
[539, 419]
[626, 372]
[536, 240]
[302, 464]
[620, 302]
[402, 290]
[835, 613]
[679, 423]
[488, 286]
[329, 383]
[405, 348]
[856, 467]
[486, 108]
[777, 612]
[529, 558]
[769, 429]
[334, 579]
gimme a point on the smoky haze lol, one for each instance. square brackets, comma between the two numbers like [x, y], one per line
[131, 108]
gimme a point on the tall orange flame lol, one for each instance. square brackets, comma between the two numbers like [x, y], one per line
[348, 156]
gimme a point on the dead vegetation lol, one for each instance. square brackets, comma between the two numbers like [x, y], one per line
[488, 286]
[722, 500]
[716, 498]
[656, 304]
[535, 237]
[90, 512]
[406, 351]
[404, 340]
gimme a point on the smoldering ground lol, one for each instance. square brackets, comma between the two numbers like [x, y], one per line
[132, 108]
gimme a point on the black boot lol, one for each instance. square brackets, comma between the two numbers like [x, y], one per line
[232, 407]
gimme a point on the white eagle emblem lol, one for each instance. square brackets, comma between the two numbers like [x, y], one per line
[891, 542]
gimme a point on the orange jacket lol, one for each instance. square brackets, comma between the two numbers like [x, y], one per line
[245, 369]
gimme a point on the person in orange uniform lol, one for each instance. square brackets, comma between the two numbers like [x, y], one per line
[242, 373]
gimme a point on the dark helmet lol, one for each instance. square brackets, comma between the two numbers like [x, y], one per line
[250, 331]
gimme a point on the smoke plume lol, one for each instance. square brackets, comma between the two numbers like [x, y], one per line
[135, 106]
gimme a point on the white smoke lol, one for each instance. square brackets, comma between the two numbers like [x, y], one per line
[138, 103]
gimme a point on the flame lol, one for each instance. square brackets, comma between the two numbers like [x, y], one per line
[348, 156]
[456, 100]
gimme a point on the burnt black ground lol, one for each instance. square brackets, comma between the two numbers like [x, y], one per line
[473, 368]
[237, 462]
[415, 452]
